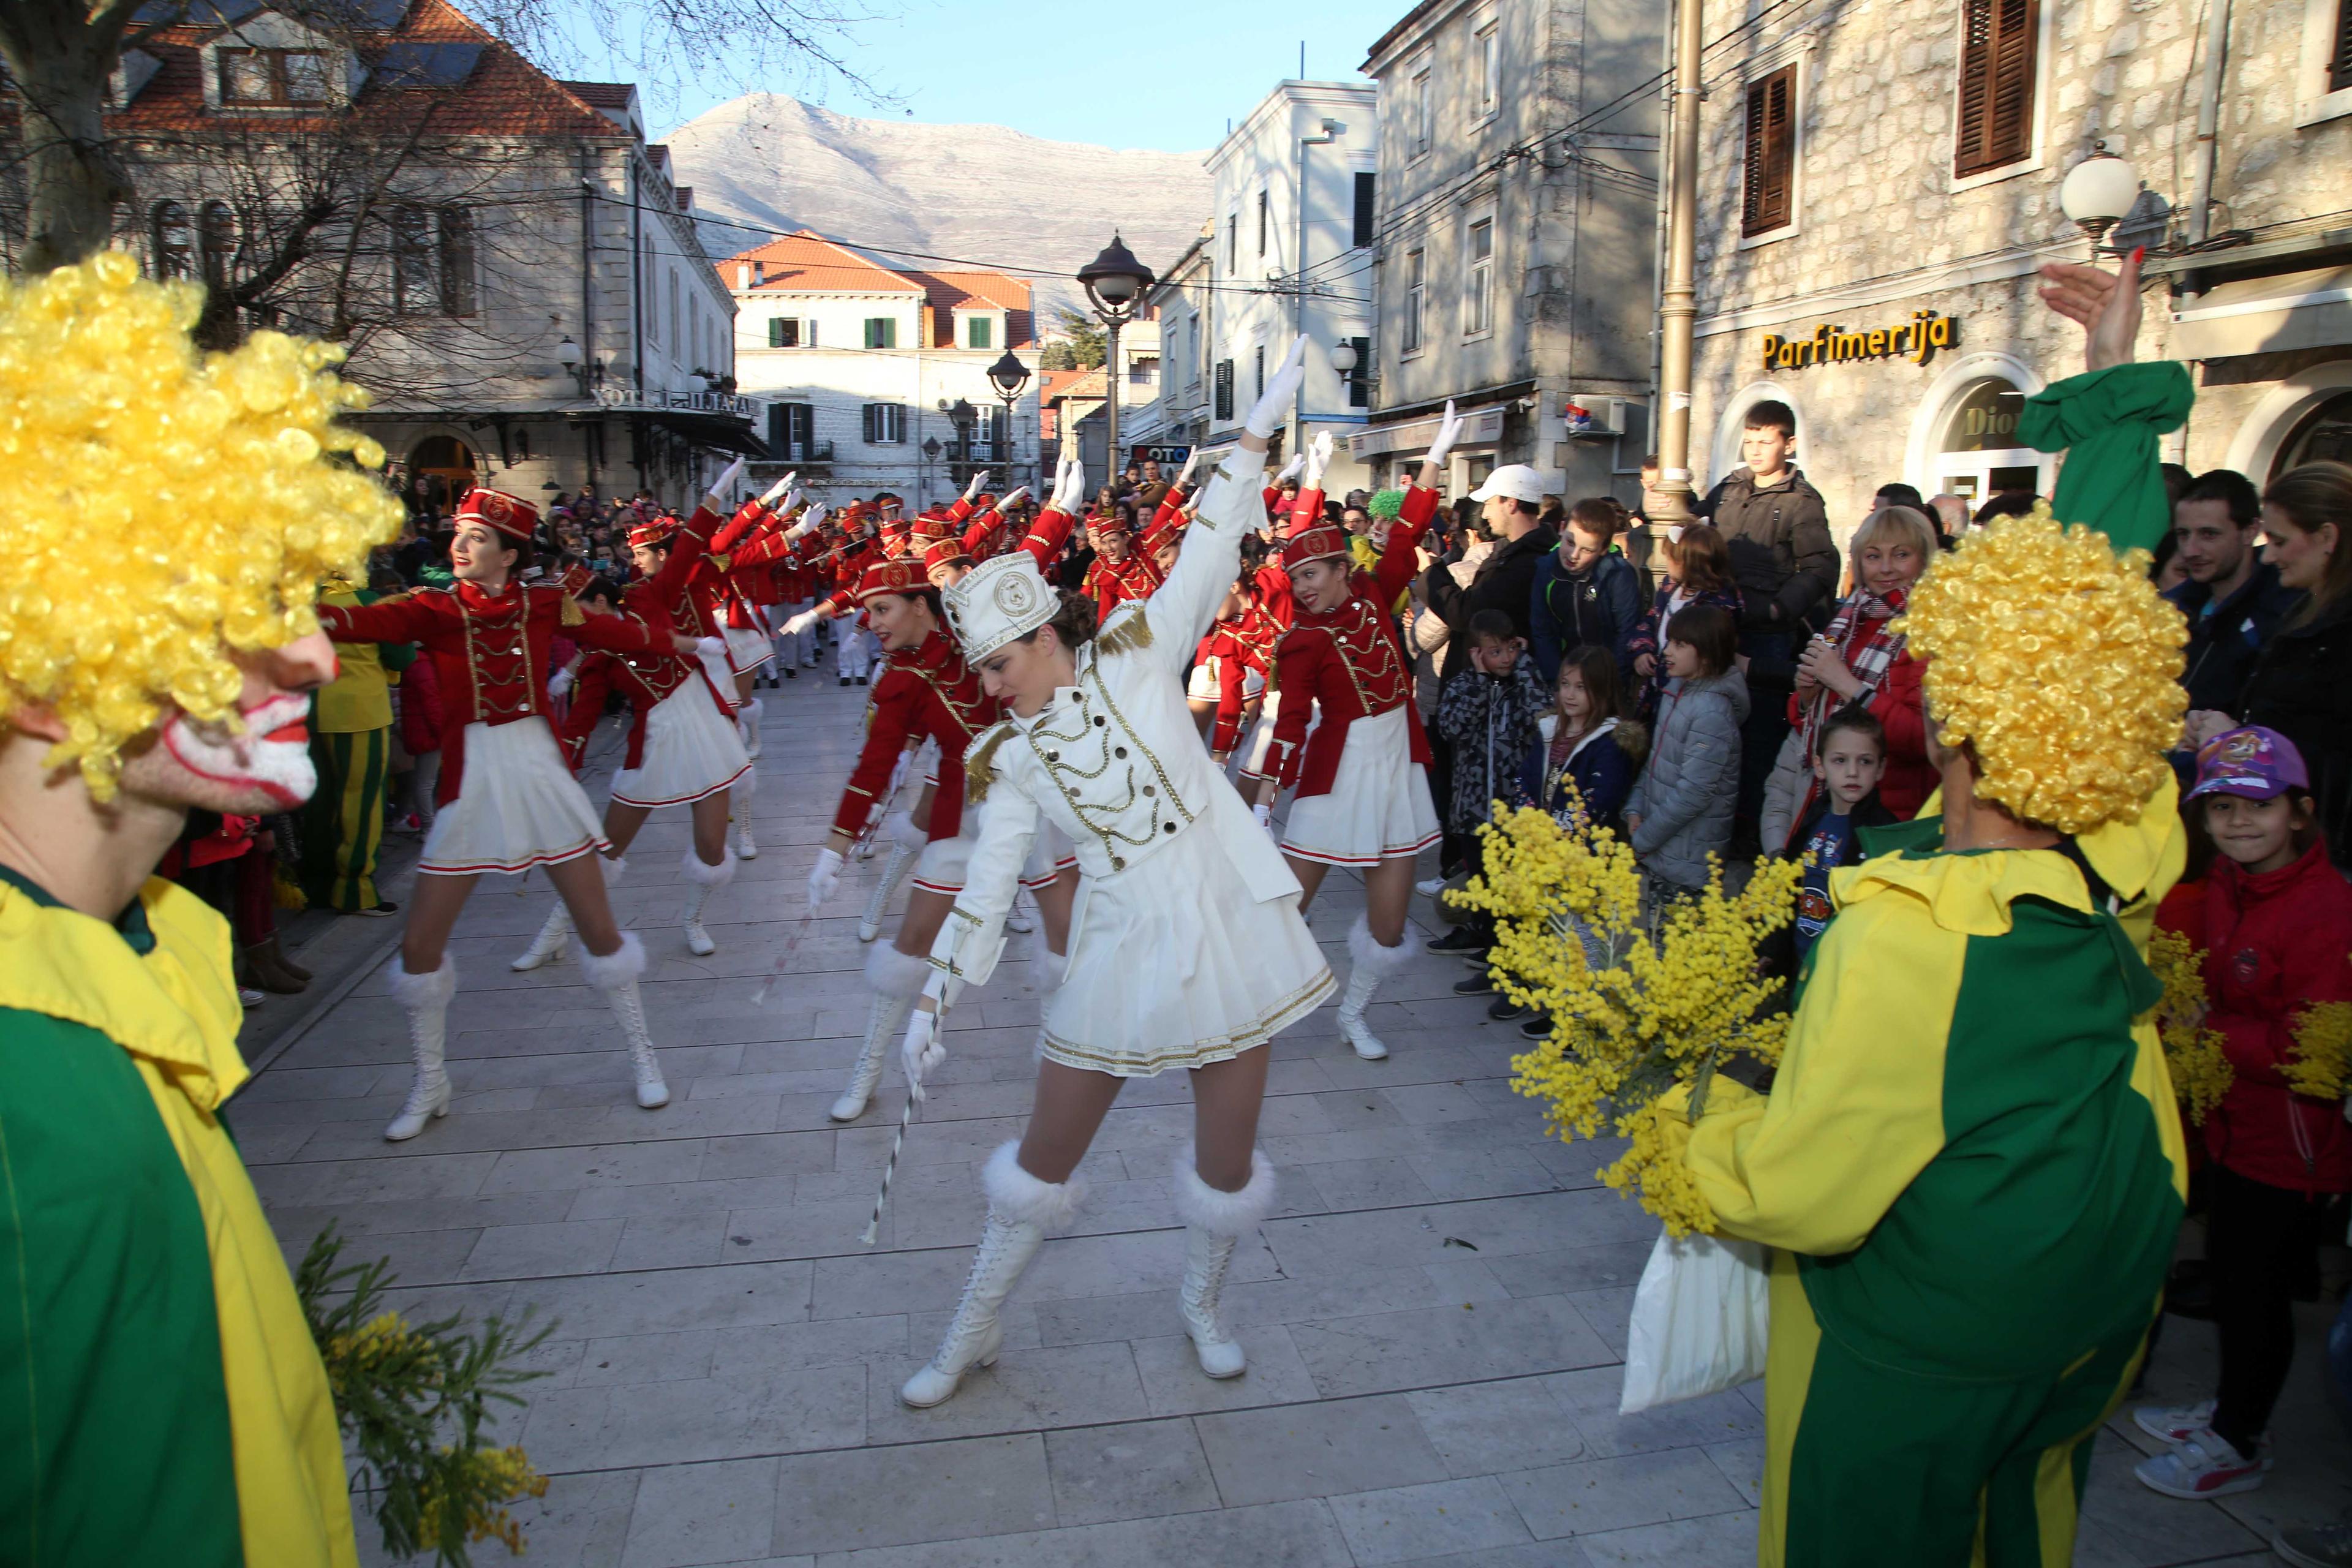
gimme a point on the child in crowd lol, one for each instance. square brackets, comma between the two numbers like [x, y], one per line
[1584, 591]
[1681, 807]
[1488, 714]
[1584, 760]
[1698, 568]
[1849, 761]
[1851, 665]
[2276, 925]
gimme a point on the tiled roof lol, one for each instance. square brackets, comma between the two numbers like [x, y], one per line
[952, 292]
[1058, 384]
[806, 263]
[601, 94]
[437, 57]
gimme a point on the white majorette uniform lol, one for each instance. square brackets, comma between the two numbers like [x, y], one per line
[1186, 944]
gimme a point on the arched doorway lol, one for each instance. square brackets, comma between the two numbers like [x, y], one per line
[1976, 452]
[440, 472]
[2324, 435]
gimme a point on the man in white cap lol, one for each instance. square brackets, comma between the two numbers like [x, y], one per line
[1512, 502]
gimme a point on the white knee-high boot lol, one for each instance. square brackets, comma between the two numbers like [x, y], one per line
[425, 999]
[906, 842]
[701, 882]
[1022, 1210]
[897, 979]
[738, 811]
[548, 946]
[616, 975]
[747, 725]
[1214, 1222]
[1373, 962]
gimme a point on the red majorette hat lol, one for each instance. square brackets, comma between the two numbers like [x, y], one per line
[1106, 522]
[903, 574]
[653, 531]
[944, 553]
[510, 515]
[1318, 543]
[1162, 533]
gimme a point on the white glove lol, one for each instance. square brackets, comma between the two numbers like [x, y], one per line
[1011, 499]
[1262, 815]
[726, 482]
[824, 877]
[978, 476]
[920, 1051]
[811, 520]
[1449, 430]
[1191, 461]
[1069, 486]
[1290, 470]
[709, 648]
[1318, 459]
[1273, 407]
[801, 623]
[559, 683]
[779, 488]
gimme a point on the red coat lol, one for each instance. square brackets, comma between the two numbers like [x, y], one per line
[1111, 584]
[1350, 662]
[645, 678]
[2273, 943]
[489, 652]
[922, 692]
[1901, 707]
[1239, 645]
[423, 721]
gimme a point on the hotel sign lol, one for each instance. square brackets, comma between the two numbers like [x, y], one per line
[1915, 339]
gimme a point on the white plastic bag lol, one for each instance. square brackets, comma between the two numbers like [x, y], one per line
[1700, 1320]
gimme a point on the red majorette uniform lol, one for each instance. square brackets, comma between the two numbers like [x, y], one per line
[925, 693]
[1361, 782]
[508, 802]
[1110, 583]
[1239, 654]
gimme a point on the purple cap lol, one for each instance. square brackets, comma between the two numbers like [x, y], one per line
[2255, 762]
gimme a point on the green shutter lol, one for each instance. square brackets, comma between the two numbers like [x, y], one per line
[980, 332]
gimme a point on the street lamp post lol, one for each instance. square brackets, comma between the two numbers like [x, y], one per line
[1114, 280]
[1009, 377]
[1678, 296]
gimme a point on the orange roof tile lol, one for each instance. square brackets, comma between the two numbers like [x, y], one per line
[952, 292]
[805, 262]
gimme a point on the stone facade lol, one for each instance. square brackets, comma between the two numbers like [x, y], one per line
[1517, 235]
[1882, 229]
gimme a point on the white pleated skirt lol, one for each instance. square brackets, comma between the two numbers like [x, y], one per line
[1377, 808]
[748, 648]
[1173, 964]
[944, 861]
[1260, 739]
[518, 806]
[690, 751]
[1206, 683]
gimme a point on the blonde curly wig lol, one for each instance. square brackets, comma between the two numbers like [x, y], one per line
[2057, 663]
[160, 507]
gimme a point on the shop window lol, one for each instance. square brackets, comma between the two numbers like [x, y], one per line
[1997, 65]
[1980, 456]
[1770, 176]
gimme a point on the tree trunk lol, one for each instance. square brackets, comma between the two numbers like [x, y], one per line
[61, 55]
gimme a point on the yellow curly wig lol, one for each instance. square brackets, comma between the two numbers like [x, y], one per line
[2055, 660]
[160, 507]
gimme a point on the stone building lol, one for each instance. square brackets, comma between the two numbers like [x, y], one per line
[508, 260]
[1879, 184]
[875, 375]
[1514, 228]
[1178, 415]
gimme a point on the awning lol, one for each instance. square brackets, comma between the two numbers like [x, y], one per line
[1480, 428]
[712, 430]
[2263, 315]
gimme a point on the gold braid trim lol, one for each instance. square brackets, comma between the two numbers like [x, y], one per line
[574, 615]
[979, 769]
[1133, 631]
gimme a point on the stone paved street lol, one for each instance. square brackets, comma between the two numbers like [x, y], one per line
[1434, 1316]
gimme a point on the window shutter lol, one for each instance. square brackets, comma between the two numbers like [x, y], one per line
[1772, 153]
[1224, 405]
[775, 332]
[1997, 69]
[1365, 207]
[870, 437]
[1360, 386]
[2340, 59]
[779, 428]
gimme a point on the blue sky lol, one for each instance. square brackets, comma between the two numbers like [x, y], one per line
[1156, 75]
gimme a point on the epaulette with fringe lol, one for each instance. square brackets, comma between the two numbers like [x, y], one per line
[574, 615]
[1133, 632]
[979, 760]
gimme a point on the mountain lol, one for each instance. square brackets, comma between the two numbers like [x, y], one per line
[979, 193]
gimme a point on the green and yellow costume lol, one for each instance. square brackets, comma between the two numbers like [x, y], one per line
[1973, 1168]
[161, 1398]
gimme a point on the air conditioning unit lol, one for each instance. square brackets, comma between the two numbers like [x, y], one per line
[1593, 416]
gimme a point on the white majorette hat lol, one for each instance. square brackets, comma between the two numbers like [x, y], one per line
[997, 601]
